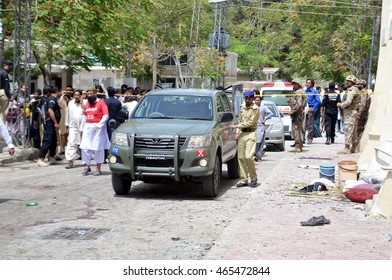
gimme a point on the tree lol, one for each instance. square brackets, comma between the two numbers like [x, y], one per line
[72, 32]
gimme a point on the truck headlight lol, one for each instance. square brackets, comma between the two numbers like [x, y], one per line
[199, 141]
[277, 126]
[119, 139]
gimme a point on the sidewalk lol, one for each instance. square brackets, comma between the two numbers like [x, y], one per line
[20, 155]
[268, 226]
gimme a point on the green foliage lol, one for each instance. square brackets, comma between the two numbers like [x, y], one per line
[303, 38]
[209, 65]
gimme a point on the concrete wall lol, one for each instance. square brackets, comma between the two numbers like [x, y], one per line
[378, 132]
[87, 79]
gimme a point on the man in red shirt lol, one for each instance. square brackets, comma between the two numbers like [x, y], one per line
[94, 135]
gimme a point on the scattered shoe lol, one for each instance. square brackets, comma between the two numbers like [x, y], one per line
[306, 189]
[253, 184]
[97, 173]
[86, 171]
[316, 221]
[240, 185]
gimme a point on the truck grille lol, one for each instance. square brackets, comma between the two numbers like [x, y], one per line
[157, 143]
[157, 163]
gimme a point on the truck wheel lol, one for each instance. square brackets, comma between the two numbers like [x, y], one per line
[120, 185]
[233, 167]
[280, 147]
[211, 183]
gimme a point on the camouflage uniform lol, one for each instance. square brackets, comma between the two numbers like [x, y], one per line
[297, 105]
[247, 131]
[363, 114]
[350, 106]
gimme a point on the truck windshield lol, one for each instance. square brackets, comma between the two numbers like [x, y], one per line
[174, 107]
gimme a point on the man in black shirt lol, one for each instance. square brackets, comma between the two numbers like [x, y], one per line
[330, 112]
[35, 117]
[51, 125]
[5, 92]
[114, 107]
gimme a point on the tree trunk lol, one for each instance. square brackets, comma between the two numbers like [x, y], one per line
[154, 63]
[46, 72]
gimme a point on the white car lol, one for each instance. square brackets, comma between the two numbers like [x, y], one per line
[274, 135]
[278, 96]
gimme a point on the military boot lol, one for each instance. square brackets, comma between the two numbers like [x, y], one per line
[297, 149]
[345, 151]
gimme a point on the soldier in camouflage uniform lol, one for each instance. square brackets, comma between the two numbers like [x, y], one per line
[297, 105]
[350, 106]
[363, 111]
[246, 138]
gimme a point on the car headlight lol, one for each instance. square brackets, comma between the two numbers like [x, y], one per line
[277, 126]
[199, 141]
[119, 139]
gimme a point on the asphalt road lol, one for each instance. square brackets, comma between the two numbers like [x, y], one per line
[80, 217]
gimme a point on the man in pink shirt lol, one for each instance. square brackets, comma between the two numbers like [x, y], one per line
[94, 135]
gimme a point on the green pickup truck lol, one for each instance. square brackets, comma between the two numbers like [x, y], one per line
[175, 135]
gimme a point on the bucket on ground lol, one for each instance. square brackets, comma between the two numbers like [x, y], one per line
[327, 171]
[348, 170]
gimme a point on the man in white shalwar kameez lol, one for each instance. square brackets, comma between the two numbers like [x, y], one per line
[73, 122]
[94, 135]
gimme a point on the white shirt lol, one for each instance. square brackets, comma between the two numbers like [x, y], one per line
[75, 114]
[5, 135]
[130, 106]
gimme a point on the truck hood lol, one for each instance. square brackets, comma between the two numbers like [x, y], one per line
[165, 127]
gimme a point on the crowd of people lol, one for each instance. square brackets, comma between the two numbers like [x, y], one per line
[73, 123]
[343, 109]
[308, 106]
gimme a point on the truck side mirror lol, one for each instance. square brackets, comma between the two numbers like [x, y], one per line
[227, 117]
[123, 114]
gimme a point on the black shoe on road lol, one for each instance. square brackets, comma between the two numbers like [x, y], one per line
[316, 221]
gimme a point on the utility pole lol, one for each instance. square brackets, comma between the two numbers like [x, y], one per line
[22, 58]
[369, 79]
[219, 39]
[193, 46]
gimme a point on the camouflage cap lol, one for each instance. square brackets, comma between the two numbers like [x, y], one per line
[296, 81]
[362, 82]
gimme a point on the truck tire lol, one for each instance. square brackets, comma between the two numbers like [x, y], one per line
[280, 147]
[211, 183]
[120, 185]
[233, 168]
